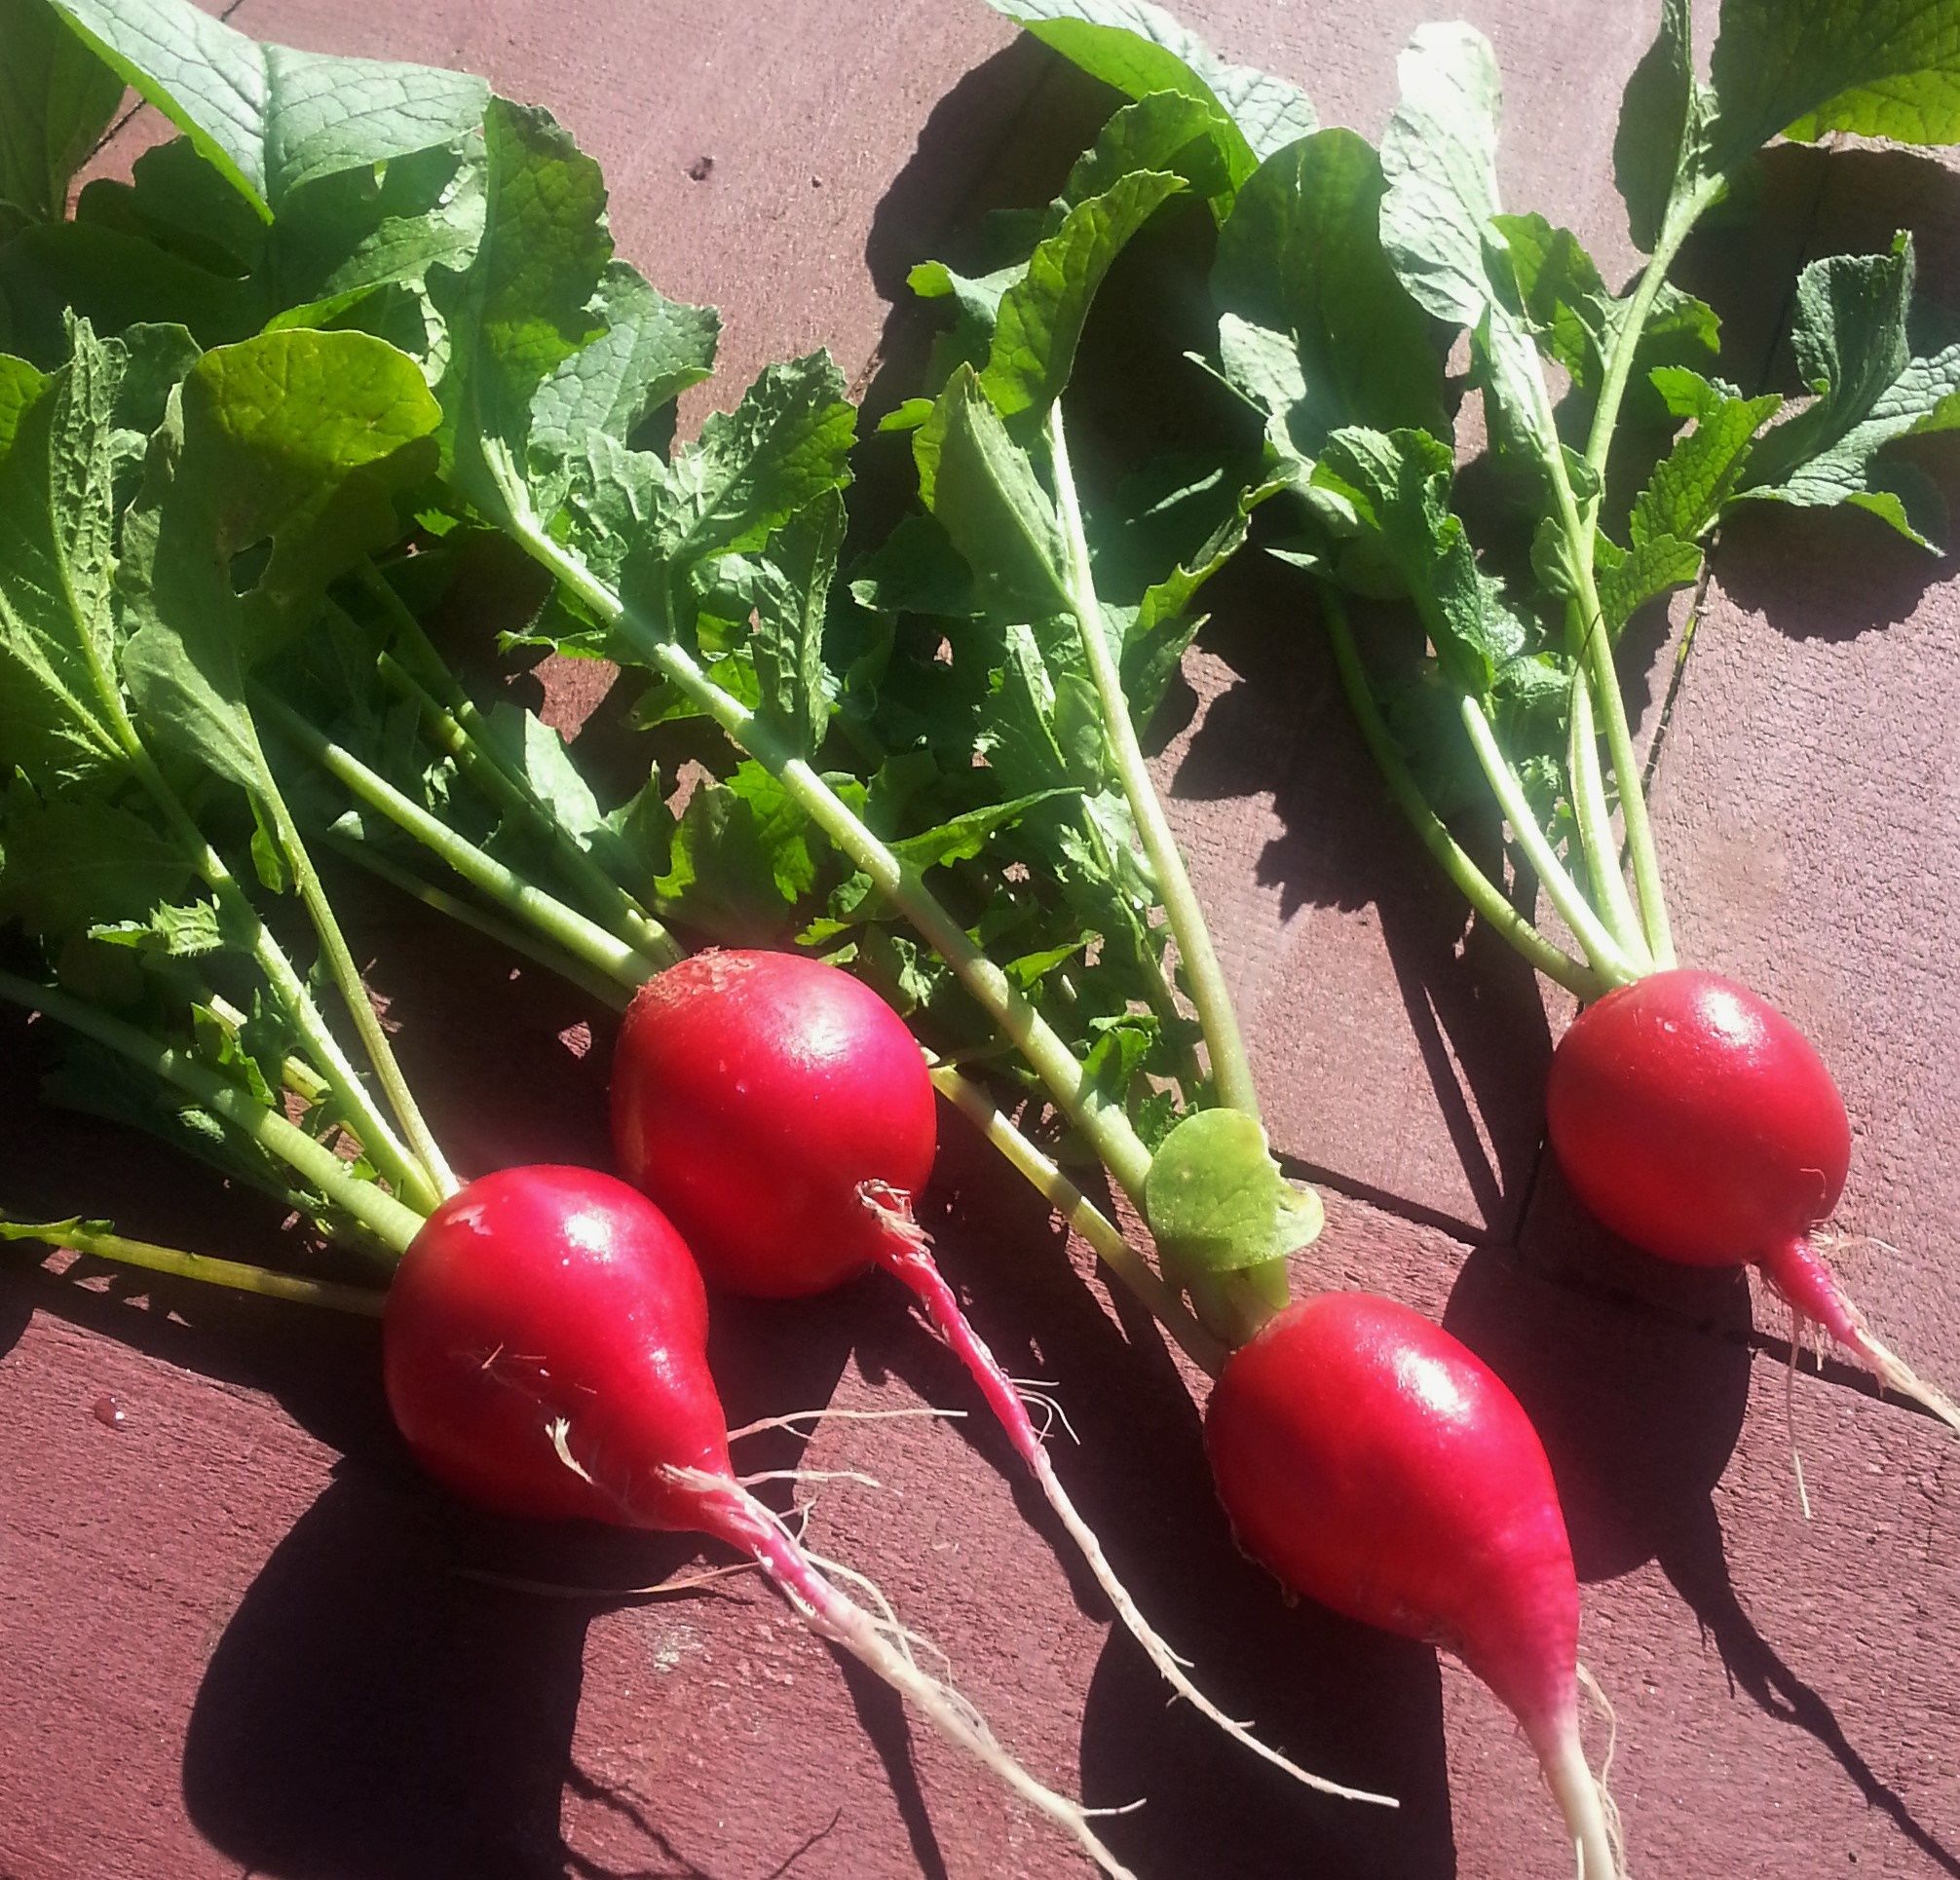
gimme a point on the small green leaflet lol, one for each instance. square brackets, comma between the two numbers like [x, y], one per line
[1300, 258]
[651, 351]
[788, 585]
[982, 487]
[1853, 349]
[786, 444]
[70, 863]
[1690, 484]
[57, 98]
[270, 118]
[1139, 49]
[1041, 316]
[1400, 486]
[1167, 131]
[61, 712]
[1217, 1202]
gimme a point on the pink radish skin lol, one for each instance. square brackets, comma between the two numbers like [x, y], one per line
[1695, 1120]
[780, 1111]
[544, 1353]
[1373, 1463]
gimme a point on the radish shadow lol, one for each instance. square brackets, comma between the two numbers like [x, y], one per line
[1697, 1568]
[370, 1714]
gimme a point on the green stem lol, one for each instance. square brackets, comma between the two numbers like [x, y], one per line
[1102, 1121]
[1596, 828]
[545, 914]
[379, 1212]
[294, 1073]
[607, 988]
[1231, 1067]
[459, 729]
[1677, 224]
[1573, 908]
[1482, 893]
[1681, 217]
[353, 995]
[368, 1119]
[80, 1238]
[1104, 1237]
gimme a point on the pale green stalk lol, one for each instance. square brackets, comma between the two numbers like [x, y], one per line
[78, 1237]
[1231, 1067]
[386, 1217]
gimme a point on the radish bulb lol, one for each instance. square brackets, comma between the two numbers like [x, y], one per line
[545, 1352]
[780, 1114]
[1698, 1122]
[1373, 1463]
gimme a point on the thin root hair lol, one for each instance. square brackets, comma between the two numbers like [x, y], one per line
[797, 1418]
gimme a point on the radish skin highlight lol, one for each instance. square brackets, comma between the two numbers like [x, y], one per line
[544, 1353]
[1373, 1463]
[1695, 1120]
[780, 1112]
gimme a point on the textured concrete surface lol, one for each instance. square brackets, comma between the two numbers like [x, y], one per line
[238, 1636]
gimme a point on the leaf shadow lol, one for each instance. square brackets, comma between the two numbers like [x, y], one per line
[1278, 722]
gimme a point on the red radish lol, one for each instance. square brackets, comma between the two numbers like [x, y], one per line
[1376, 1465]
[544, 1350]
[1698, 1122]
[780, 1111]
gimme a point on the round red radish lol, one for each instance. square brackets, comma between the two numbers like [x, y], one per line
[754, 1097]
[543, 1293]
[544, 1351]
[1699, 1123]
[1373, 1463]
[1695, 1120]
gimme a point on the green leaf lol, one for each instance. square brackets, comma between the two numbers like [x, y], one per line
[1400, 486]
[1439, 162]
[982, 487]
[740, 858]
[1139, 49]
[1164, 625]
[61, 713]
[651, 351]
[787, 445]
[522, 307]
[1878, 68]
[1302, 255]
[351, 246]
[1659, 117]
[1854, 351]
[71, 862]
[1689, 485]
[20, 383]
[294, 441]
[272, 119]
[1217, 1202]
[1629, 579]
[1041, 316]
[788, 585]
[57, 98]
[963, 837]
[1166, 132]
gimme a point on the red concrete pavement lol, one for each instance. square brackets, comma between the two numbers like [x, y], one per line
[238, 1636]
